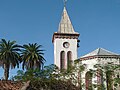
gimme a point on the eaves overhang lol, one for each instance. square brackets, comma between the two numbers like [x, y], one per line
[99, 56]
[65, 36]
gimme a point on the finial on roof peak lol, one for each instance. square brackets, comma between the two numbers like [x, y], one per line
[65, 25]
[65, 1]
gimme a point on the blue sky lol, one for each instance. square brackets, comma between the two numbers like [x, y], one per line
[35, 21]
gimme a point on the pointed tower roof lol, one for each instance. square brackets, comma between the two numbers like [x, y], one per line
[65, 25]
[100, 52]
[65, 29]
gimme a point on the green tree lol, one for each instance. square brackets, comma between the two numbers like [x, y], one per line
[46, 79]
[79, 68]
[29, 75]
[109, 72]
[48, 72]
[9, 56]
[32, 56]
[73, 74]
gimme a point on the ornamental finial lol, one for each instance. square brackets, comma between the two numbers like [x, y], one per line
[65, 1]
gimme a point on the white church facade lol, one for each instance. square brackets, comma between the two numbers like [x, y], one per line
[66, 43]
[100, 61]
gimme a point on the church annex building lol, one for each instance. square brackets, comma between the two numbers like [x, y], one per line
[66, 43]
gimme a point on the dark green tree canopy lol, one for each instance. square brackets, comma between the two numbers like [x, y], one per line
[9, 55]
[32, 56]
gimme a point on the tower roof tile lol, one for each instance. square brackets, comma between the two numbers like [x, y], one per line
[65, 25]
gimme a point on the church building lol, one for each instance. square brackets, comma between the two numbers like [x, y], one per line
[100, 62]
[66, 43]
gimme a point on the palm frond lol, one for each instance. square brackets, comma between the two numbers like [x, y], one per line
[32, 54]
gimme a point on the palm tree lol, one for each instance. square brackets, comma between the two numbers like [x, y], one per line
[9, 56]
[32, 56]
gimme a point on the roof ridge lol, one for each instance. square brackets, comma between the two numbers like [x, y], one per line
[99, 52]
[109, 51]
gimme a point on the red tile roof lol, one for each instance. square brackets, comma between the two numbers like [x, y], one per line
[10, 85]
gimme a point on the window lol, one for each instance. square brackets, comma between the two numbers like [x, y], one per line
[109, 79]
[69, 59]
[88, 80]
[100, 79]
[62, 60]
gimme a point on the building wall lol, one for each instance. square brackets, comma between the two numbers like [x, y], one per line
[89, 64]
[58, 47]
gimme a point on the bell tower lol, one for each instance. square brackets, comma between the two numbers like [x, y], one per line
[65, 42]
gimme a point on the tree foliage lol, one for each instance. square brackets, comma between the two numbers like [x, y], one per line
[46, 79]
[111, 72]
[9, 55]
[32, 56]
[52, 84]
[12, 54]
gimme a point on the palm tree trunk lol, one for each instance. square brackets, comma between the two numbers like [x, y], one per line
[6, 71]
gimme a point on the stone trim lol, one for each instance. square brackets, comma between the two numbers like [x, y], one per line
[65, 36]
[100, 56]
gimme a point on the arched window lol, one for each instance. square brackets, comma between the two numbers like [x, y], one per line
[62, 60]
[88, 80]
[109, 79]
[100, 79]
[69, 59]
